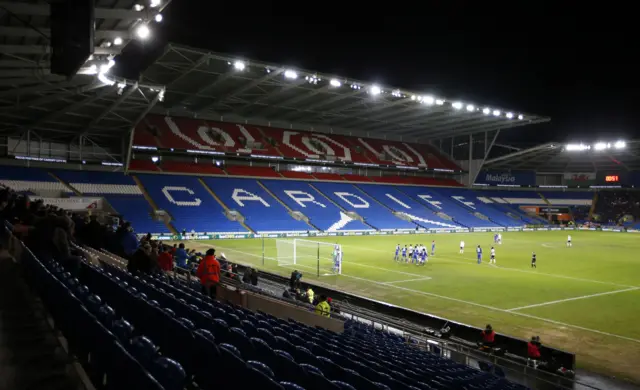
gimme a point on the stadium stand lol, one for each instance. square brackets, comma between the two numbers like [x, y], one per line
[351, 199]
[183, 167]
[401, 203]
[618, 208]
[447, 207]
[30, 180]
[262, 212]
[323, 214]
[193, 134]
[120, 191]
[153, 332]
[189, 203]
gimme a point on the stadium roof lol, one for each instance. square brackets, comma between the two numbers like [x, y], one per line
[555, 157]
[33, 99]
[221, 87]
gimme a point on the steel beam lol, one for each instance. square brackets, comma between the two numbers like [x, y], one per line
[242, 89]
[133, 127]
[20, 32]
[112, 107]
[51, 97]
[487, 150]
[35, 49]
[324, 102]
[20, 8]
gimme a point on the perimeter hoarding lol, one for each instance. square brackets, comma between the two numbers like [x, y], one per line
[513, 178]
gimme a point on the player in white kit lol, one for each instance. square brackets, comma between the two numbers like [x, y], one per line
[569, 240]
[492, 260]
[461, 246]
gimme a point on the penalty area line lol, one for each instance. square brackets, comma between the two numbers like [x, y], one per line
[408, 280]
[574, 298]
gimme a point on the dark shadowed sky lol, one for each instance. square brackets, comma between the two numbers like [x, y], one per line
[574, 64]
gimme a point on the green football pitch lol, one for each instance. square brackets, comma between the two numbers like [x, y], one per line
[584, 299]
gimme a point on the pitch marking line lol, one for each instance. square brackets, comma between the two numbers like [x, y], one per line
[472, 261]
[574, 299]
[465, 302]
[408, 280]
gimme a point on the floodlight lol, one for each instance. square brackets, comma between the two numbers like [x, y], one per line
[239, 65]
[439, 102]
[510, 115]
[577, 147]
[335, 83]
[601, 146]
[470, 107]
[486, 111]
[143, 31]
[155, 159]
[138, 7]
[413, 97]
[428, 100]
[620, 145]
[496, 112]
[457, 105]
[521, 117]
[154, 3]
[290, 74]
[117, 41]
[375, 90]
[158, 18]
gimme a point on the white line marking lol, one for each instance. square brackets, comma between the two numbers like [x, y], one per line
[574, 299]
[408, 280]
[463, 301]
[473, 262]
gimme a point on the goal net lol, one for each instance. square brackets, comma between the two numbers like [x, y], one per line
[320, 257]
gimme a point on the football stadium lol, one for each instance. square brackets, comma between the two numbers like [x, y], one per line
[224, 223]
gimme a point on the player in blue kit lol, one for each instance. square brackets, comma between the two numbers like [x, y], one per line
[479, 253]
[495, 238]
[416, 252]
[397, 255]
[433, 247]
[404, 253]
[424, 257]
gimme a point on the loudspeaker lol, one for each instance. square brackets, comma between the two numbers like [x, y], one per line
[72, 35]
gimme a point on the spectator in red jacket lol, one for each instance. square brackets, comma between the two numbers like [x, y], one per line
[488, 336]
[165, 260]
[533, 348]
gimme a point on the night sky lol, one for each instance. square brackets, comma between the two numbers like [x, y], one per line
[576, 67]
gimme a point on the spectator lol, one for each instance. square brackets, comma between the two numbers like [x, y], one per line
[165, 261]
[181, 256]
[141, 261]
[254, 277]
[209, 273]
[294, 281]
[533, 350]
[323, 308]
[246, 277]
[488, 336]
[310, 295]
[129, 240]
[94, 233]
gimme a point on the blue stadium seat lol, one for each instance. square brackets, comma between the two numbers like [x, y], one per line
[261, 211]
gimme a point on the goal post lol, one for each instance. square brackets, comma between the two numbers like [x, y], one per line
[321, 257]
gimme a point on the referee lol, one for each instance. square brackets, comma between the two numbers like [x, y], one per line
[533, 260]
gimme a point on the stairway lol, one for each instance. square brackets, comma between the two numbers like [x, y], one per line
[592, 210]
[75, 191]
[338, 206]
[543, 198]
[152, 203]
[224, 206]
[274, 196]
